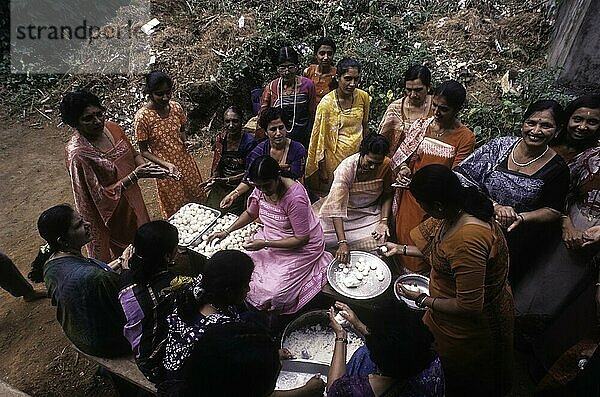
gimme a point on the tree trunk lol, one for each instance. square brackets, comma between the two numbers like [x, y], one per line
[575, 46]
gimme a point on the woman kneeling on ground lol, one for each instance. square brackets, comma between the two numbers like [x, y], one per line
[289, 251]
[84, 290]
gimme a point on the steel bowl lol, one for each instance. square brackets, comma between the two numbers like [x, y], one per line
[309, 319]
[422, 282]
[370, 286]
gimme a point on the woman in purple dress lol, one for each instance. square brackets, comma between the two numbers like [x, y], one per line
[290, 155]
[289, 252]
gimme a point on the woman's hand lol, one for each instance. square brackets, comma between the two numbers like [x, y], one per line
[173, 171]
[343, 253]
[340, 332]
[285, 354]
[255, 245]
[403, 177]
[505, 215]
[381, 231]
[207, 184]
[392, 249]
[314, 387]
[591, 235]
[408, 294]
[572, 237]
[150, 170]
[217, 235]
[350, 316]
[228, 200]
[126, 256]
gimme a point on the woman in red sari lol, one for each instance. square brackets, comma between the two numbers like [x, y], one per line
[104, 170]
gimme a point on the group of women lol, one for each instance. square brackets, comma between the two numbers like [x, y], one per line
[455, 212]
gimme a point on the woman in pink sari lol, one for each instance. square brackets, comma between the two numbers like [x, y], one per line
[290, 261]
[104, 170]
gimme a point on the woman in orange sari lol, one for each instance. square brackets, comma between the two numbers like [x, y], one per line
[104, 170]
[441, 139]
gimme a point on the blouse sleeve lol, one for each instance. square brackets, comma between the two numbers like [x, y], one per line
[367, 106]
[298, 212]
[468, 259]
[253, 203]
[472, 170]
[465, 147]
[388, 176]
[297, 160]
[350, 386]
[335, 205]
[312, 98]
[256, 152]
[141, 126]
[182, 113]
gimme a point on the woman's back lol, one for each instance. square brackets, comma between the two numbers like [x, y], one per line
[85, 293]
[146, 309]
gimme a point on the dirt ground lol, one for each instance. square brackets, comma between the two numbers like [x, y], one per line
[36, 356]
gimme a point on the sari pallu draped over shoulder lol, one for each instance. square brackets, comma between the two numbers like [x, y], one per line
[357, 203]
[418, 150]
[114, 213]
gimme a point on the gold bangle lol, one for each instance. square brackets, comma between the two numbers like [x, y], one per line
[404, 166]
[384, 219]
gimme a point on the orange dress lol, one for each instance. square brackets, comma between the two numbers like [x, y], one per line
[448, 150]
[471, 266]
[164, 140]
[321, 81]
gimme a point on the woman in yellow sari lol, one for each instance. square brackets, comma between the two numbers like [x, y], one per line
[340, 125]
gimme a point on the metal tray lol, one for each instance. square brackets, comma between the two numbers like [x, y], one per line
[370, 286]
[412, 278]
[194, 245]
[200, 231]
